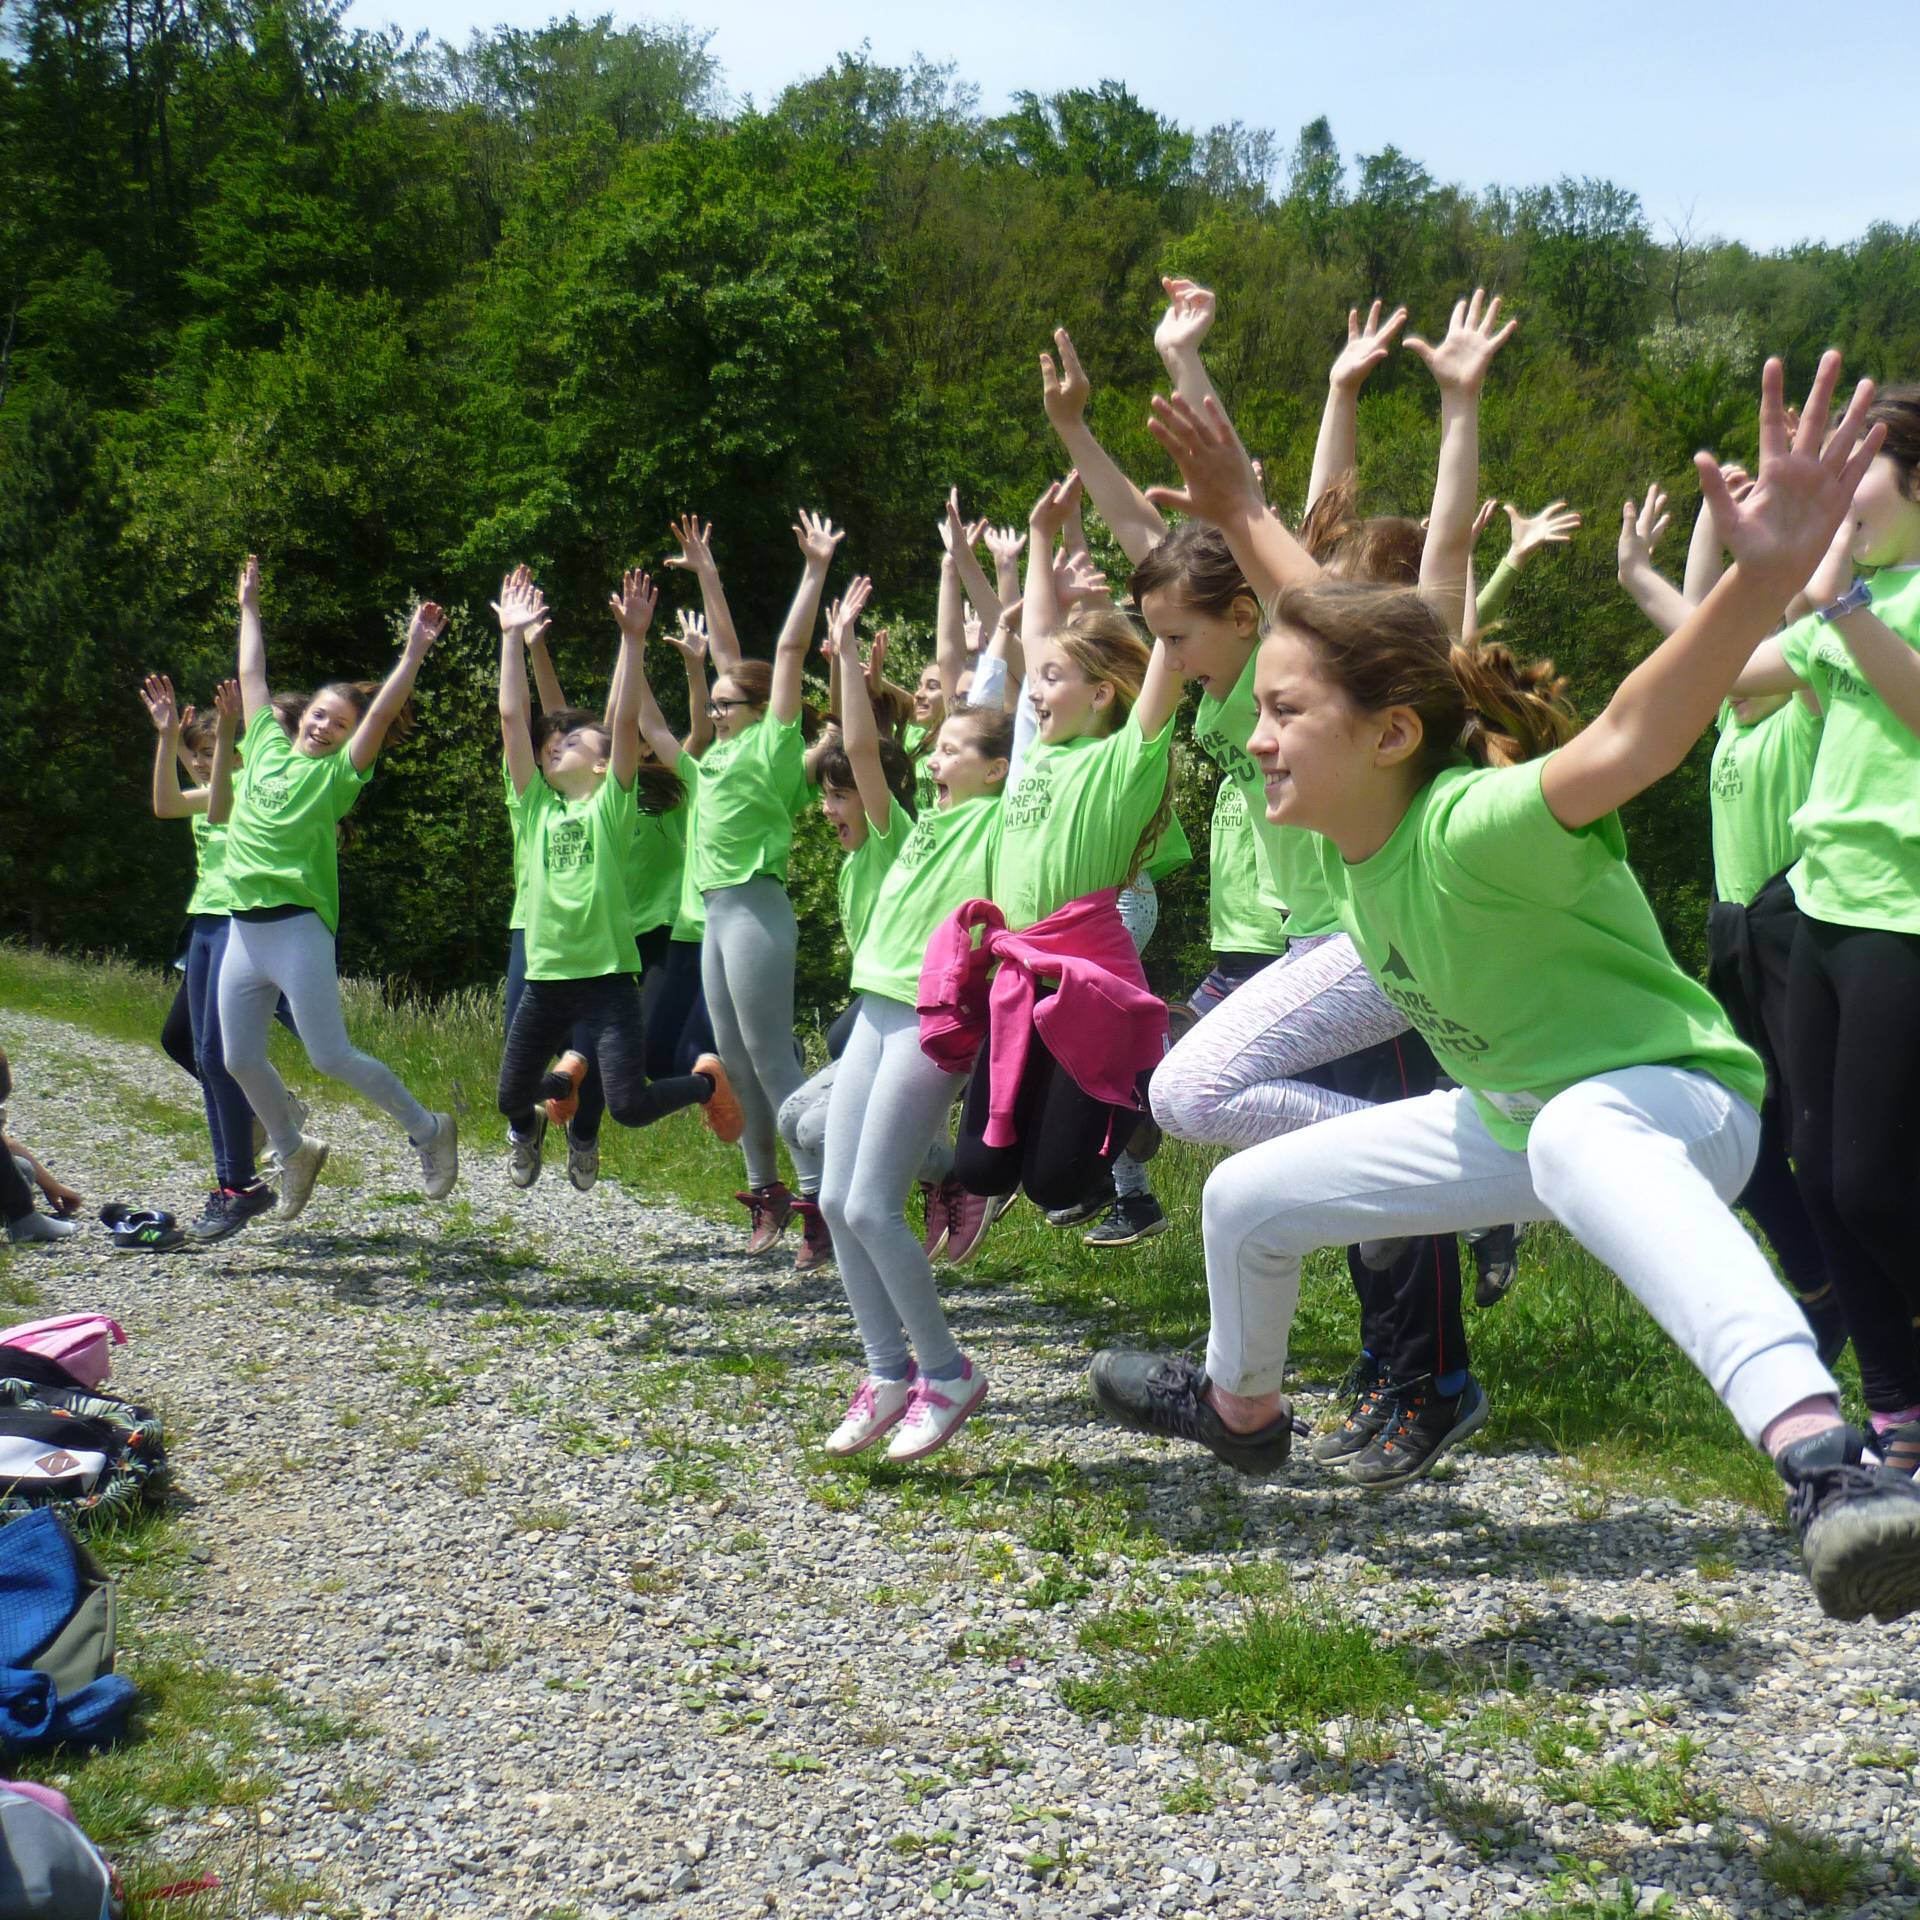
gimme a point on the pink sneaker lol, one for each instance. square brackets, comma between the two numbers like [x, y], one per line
[969, 1215]
[876, 1407]
[934, 1412]
[938, 1223]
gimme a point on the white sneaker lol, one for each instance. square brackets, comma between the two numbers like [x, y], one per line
[583, 1161]
[42, 1229]
[876, 1407]
[299, 1107]
[935, 1410]
[440, 1157]
[296, 1173]
[523, 1151]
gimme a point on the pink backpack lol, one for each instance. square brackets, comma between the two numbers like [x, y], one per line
[79, 1344]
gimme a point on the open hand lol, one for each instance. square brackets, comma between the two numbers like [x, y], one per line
[696, 550]
[877, 657]
[633, 605]
[1461, 360]
[1188, 318]
[1552, 525]
[156, 695]
[818, 537]
[1641, 528]
[843, 615]
[1064, 394]
[971, 633]
[521, 606]
[1005, 545]
[1804, 488]
[1055, 507]
[689, 637]
[227, 706]
[1221, 484]
[248, 591]
[1482, 520]
[429, 622]
[1367, 345]
[1078, 582]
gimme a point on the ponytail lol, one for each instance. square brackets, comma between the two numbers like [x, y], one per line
[1516, 709]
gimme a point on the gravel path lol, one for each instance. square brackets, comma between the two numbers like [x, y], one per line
[518, 1500]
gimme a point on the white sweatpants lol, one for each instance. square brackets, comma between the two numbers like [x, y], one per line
[1638, 1165]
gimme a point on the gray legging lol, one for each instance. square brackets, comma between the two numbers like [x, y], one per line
[746, 966]
[889, 1103]
[294, 956]
[803, 1126]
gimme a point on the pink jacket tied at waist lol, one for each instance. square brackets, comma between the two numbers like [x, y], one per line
[1103, 1024]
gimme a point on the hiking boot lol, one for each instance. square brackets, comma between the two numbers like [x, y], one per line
[768, 1209]
[583, 1162]
[939, 1224]
[228, 1209]
[1166, 1393]
[935, 1411]
[296, 1173]
[524, 1150]
[721, 1108]
[1496, 1261]
[40, 1229]
[1369, 1401]
[969, 1215]
[1859, 1527]
[1420, 1427]
[1081, 1211]
[873, 1410]
[571, 1068]
[816, 1238]
[1132, 1218]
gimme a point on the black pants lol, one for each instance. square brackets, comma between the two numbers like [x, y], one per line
[674, 1002]
[1853, 1067]
[609, 1009]
[16, 1197]
[1066, 1142]
[1749, 953]
[176, 1032]
[1410, 1313]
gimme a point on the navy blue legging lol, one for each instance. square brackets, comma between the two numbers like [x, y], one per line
[674, 1003]
[229, 1118]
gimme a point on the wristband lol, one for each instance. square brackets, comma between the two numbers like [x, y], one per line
[1859, 595]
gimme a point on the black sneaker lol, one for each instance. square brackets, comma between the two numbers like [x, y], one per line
[1369, 1406]
[1421, 1427]
[1132, 1218]
[1166, 1393]
[1859, 1527]
[1081, 1211]
[229, 1209]
[1496, 1260]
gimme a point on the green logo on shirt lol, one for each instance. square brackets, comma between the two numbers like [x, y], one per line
[1728, 783]
[1839, 665]
[1031, 805]
[569, 846]
[270, 791]
[1441, 1034]
[1235, 762]
[919, 842]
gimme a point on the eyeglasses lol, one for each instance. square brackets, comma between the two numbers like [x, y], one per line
[717, 707]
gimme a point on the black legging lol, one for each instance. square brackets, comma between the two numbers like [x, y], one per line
[1853, 1068]
[673, 1002]
[16, 1197]
[609, 1009]
[1749, 954]
[176, 1032]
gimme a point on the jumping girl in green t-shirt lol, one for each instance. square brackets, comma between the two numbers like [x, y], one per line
[1475, 856]
[283, 889]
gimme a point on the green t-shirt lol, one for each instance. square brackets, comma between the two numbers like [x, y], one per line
[282, 844]
[945, 861]
[579, 925]
[1859, 827]
[863, 871]
[1168, 854]
[1073, 824]
[1221, 730]
[1527, 956]
[656, 860]
[913, 737]
[1759, 778]
[749, 787]
[690, 915]
[1244, 914]
[210, 892]
[518, 917]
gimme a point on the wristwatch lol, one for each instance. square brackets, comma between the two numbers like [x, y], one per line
[1859, 595]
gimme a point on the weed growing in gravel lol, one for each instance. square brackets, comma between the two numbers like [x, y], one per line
[1490, 1824]
[1809, 1866]
[543, 1520]
[1581, 1891]
[1659, 1791]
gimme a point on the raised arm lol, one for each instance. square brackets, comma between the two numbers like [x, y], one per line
[1222, 488]
[818, 538]
[1185, 324]
[1776, 535]
[633, 608]
[226, 707]
[253, 645]
[959, 538]
[1887, 663]
[170, 802]
[1160, 694]
[1553, 525]
[689, 641]
[1650, 590]
[546, 682]
[1128, 512]
[949, 631]
[858, 727]
[1005, 545]
[696, 556]
[521, 609]
[1459, 367]
[429, 622]
[1040, 609]
[1337, 450]
[1706, 558]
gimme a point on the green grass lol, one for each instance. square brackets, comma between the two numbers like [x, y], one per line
[1570, 1361]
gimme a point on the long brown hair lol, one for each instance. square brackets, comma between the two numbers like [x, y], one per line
[359, 695]
[1387, 647]
[1383, 550]
[1193, 563]
[1898, 409]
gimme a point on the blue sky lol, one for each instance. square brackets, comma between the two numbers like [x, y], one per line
[1734, 115]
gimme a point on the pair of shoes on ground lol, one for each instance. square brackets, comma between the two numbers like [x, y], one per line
[1122, 1219]
[923, 1414]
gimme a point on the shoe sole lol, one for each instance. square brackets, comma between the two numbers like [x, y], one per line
[722, 1116]
[879, 1433]
[1125, 1240]
[585, 1185]
[1460, 1430]
[1350, 1453]
[225, 1231]
[959, 1420]
[1123, 1415]
[1866, 1560]
[282, 1211]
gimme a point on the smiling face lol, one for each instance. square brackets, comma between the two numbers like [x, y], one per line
[929, 700]
[1315, 748]
[326, 725]
[732, 710]
[1886, 523]
[576, 760]
[1067, 703]
[959, 769]
[1210, 649]
[846, 815]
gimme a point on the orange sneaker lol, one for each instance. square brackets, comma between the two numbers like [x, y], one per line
[570, 1066]
[722, 1113]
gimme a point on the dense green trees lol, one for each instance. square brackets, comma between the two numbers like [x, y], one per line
[395, 315]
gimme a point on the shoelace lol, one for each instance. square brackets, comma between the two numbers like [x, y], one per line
[1821, 1487]
[1174, 1388]
[862, 1405]
[923, 1400]
[1362, 1381]
[1406, 1416]
[1368, 1403]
